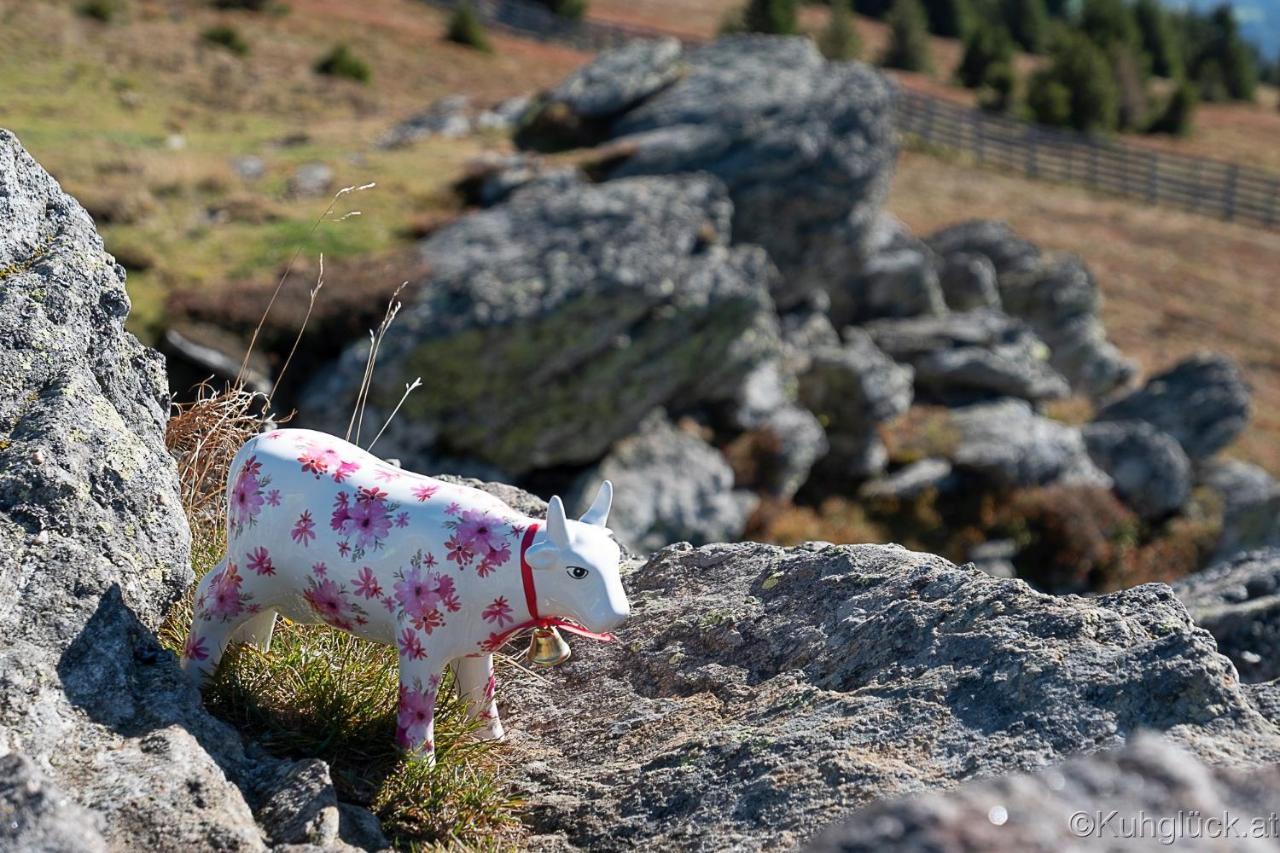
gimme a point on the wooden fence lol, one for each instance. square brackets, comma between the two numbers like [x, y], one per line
[1198, 184]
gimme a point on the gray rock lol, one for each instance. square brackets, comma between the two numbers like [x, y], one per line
[450, 118]
[995, 557]
[359, 828]
[995, 241]
[1238, 601]
[757, 693]
[552, 324]
[1148, 469]
[909, 482]
[1059, 300]
[250, 167]
[852, 389]
[1250, 505]
[1009, 445]
[897, 283]
[792, 438]
[36, 815]
[1202, 402]
[1101, 802]
[505, 115]
[806, 148]
[301, 806]
[669, 486]
[310, 179]
[619, 79]
[493, 180]
[968, 282]
[965, 357]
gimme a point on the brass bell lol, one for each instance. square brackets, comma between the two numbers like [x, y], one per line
[547, 647]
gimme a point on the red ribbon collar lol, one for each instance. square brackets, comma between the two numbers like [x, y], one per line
[531, 604]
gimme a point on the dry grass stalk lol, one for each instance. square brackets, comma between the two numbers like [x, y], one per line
[375, 342]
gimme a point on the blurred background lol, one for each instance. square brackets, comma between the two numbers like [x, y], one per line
[1139, 140]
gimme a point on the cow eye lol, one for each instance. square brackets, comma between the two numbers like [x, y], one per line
[577, 572]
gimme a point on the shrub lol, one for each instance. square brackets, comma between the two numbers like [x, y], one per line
[949, 18]
[1028, 23]
[227, 37]
[908, 46]
[243, 5]
[998, 88]
[1081, 70]
[1158, 39]
[1072, 538]
[987, 45]
[839, 39]
[341, 62]
[573, 10]
[1178, 112]
[776, 17]
[465, 28]
[104, 11]
[872, 8]
[1109, 23]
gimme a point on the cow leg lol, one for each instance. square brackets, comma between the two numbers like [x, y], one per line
[257, 630]
[476, 684]
[208, 637]
[415, 721]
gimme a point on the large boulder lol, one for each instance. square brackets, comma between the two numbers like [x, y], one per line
[1202, 401]
[965, 357]
[901, 282]
[1010, 446]
[805, 146]
[968, 282]
[1250, 505]
[757, 693]
[669, 486]
[785, 438]
[1238, 601]
[105, 743]
[551, 325]
[1150, 795]
[993, 240]
[1149, 471]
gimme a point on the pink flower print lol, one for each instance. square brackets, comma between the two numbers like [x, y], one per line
[326, 600]
[430, 560]
[458, 551]
[386, 474]
[367, 585]
[273, 497]
[304, 529]
[402, 520]
[494, 642]
[320, 570]
[499, 611]
[371, 493]
[260, 562]
[417, 594]
[274, 434]
[491, 686]
[452, 509]
[369, 522]
[194, 648]
[411, 646]
[424, 493]
[225, 600]
[246, 495]
[315, 459]
[341, 512]
[417, 709]
[345, 470]
[344, 548]
[389, 603]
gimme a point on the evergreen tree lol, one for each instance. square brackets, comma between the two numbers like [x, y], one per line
[1217, 58]
[465, 28]
[987, 45]
[908, 47]
[872, 8]
[1028, 23]
[998, 88]
[1159, 40]
[1110, 23]
[1178, 111]
[1081, 70]
[839, 39]
[776, 17]
[948, 18]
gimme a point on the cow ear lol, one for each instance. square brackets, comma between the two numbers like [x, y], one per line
[541, 556]
[598, 514]
[557, 524]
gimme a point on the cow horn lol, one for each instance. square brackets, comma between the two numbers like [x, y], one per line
[557, 525]
[598, 514]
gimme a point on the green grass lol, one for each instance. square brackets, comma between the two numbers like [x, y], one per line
[322, 693]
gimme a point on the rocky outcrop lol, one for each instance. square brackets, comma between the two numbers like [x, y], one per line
[1149, 795]
[1238, 601]
[968, 282]
[961, 358]
[670, 486]
[1250, 505]
[105, 743]
[1202, 402]
[899, 282]
[805, 147]
[1148, 469]
[758, 693]
[551, 325]
[1010, 446]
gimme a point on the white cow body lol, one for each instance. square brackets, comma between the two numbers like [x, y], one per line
[318, 530]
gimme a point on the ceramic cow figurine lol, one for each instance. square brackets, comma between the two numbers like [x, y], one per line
[318, 530]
